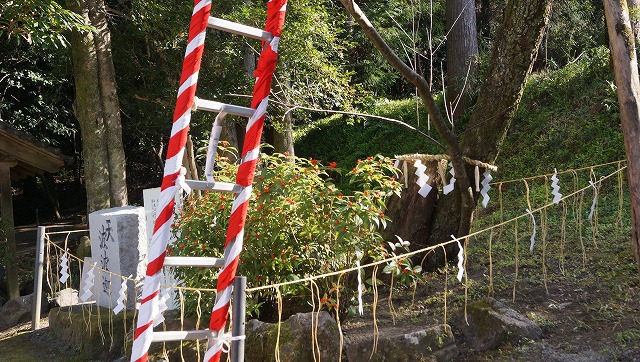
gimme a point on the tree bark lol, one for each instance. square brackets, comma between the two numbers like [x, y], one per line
[283, 141]
[462, 53]
[97, 110]
[110, 104]
[516, 48]
[625, 66]
[463, 189]
[513, 56]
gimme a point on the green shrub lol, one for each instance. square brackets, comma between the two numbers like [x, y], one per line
[298, 224]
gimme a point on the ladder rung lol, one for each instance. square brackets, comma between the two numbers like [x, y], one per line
[213, 106]
[168, 336]
[215, 186]
[193, 261]
[239, 29]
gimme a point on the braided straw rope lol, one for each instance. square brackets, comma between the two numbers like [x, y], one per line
[427, 158]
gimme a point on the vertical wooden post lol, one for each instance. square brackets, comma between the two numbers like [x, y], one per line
[37, 279]
[625, 66]
[6, 210]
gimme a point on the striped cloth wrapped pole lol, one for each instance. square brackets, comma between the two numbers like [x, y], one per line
[171, 180]
[246, 171]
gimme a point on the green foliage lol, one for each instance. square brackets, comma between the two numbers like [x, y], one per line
[362, 137]
[298, 224]
[575, 26]
[39, 22]
[35, 93]
[573, 112]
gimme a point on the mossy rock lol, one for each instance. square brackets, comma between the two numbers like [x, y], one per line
[435, 343]
[94, 332]
[490, 323]
[84, 248]
[295, 342]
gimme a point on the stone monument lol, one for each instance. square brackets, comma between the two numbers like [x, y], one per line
[118, 244]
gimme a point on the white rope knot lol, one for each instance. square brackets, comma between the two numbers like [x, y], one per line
[181, 181]
[226, 340]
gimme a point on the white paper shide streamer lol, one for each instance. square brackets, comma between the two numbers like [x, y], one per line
[425, 188]
[165, 294]
[557, 196]
[64, 268]
[87, 285]
[360, 286]
[448, 188]
[485, 188]
[595, 200]
[533, 234]
[122, 297]
[460, 259]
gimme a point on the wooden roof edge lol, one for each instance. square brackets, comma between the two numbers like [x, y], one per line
[53, 155]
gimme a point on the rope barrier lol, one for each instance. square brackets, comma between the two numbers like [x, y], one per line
[561, 172]
[376, 263]
[125, 277]
[420, 251]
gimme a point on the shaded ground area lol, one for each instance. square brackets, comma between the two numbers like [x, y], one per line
[19, 344]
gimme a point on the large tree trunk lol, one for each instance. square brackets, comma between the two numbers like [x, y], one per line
[462, 53]
[625, 66]
[110, 104]
[96, 108]
[513, 56]
[283, 139]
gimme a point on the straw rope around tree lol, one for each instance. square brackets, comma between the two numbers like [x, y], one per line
[437, 158]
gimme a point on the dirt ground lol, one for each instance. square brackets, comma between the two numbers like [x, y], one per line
[579, 324]
[586, 300]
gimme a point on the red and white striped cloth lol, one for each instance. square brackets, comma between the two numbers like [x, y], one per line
[171, 182]
[250, 152]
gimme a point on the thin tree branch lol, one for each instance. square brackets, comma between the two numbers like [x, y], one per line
[453, 147]
[386, 119]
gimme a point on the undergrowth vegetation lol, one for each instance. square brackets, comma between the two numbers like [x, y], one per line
[299, 224]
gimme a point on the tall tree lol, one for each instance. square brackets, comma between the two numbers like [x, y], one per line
[634, 16]
[512, 60]
[625, 66]
[97, 109]
[462, 53]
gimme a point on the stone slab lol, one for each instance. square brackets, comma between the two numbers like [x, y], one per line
[118, 245]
